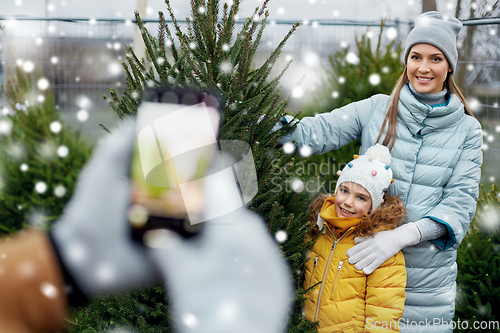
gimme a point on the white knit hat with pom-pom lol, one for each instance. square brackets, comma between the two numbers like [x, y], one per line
[371, 170]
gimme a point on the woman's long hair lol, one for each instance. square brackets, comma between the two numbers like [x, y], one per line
[391, 117]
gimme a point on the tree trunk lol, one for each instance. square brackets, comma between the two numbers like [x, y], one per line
[428, 5]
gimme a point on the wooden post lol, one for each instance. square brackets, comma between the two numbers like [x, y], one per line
[138, 45]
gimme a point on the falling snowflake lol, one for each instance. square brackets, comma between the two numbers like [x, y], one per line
[281, 236]
[114, 68]
[192, 45]
[305, 151]
[335, 94]
[288, 148]
[374, 79]
[189, 320]
[60, 191]
[352, 58]
[47, 150]
[82, 115]
[24, 167]
[40, 187]
[369, 34]
[117, 46]
[28, 66]
[493, 32]
[55, 127]
[160, 61]
[281, 11]
[470, 67]
[202, 10]
[225, 47]
[18, 3]
[62, 151]
[226, 67]
[490, 138]
[341, 80]
[297, 92]
[43, 84]
[5, 127]
[38, 218]
[16, 151]
[391, 33]
[385, 69]
[49, 290]
[490, 220]
[40, 98]
[474, 105]
[105, 273]
[297, 185]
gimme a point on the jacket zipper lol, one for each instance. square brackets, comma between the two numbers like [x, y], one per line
[326, 271]
[336, 280]
[313, 272]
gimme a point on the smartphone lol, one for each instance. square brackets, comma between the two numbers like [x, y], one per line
[176, 142]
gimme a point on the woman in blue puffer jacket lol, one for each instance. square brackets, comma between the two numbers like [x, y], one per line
[436, 146]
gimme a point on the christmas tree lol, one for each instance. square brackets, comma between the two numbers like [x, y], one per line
[213, 59]
[350, 77]
[40, 157]
[478, 260]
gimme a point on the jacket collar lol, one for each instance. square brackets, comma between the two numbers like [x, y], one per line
[423, 118]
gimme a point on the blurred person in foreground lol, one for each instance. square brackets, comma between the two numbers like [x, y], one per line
[228, 278]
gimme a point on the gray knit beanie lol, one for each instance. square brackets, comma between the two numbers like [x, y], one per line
[437, 30]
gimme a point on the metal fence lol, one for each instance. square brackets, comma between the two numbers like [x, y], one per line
[82, 60]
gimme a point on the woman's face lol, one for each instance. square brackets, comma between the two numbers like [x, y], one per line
[427, 68]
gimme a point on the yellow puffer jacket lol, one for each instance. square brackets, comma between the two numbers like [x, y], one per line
[351, 301]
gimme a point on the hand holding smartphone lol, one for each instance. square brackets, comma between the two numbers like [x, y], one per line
[175, 146]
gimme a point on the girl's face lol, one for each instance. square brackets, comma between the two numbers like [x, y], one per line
[427, 68]
[352, 200]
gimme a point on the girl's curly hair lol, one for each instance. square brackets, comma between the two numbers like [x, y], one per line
[389, 215]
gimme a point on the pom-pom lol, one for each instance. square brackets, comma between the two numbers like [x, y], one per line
[374, 173]
[338, 173]
[355, 156]
[370, 159]
[379, 152]
[350, 165]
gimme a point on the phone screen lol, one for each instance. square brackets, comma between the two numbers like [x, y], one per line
[175, 145]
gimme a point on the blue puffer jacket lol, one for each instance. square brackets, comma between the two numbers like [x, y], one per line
[436, 163]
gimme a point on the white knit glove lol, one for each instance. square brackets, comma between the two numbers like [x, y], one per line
[93, 238]
[228, 278]
[371, 252]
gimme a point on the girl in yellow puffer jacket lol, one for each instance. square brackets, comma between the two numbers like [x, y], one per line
[342, 298]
